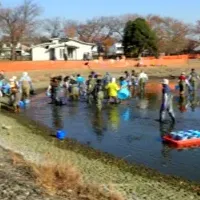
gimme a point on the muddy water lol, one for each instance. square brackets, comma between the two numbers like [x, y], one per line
[130, 130]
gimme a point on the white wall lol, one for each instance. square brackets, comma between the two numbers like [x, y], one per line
[113, 50]
[40, 53]
[82, 48]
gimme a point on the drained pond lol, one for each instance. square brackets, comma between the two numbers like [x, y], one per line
[129, 131]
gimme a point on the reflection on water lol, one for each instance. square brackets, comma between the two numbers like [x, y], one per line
[113, 118]
[129, 130]
[57, 118]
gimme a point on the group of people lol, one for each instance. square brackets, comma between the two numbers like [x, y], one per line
[189, 82]
[96, 88]
[16, 90]
[185, 83]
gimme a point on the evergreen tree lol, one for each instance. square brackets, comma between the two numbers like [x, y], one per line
[139, 37]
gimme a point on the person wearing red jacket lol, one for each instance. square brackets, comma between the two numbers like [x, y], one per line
[183, 82]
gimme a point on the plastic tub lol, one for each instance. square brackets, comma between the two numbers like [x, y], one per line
[61, 134]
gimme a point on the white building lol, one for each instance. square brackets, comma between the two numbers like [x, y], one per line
[116, 49]
[62, 49]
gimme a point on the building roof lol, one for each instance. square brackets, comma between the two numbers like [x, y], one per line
[62, 40]
[76, 40]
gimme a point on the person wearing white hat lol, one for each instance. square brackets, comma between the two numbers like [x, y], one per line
[142, 79]
[26, 85]
[167, 102]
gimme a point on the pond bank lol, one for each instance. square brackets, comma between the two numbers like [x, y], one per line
[17, 181]
[34, 142]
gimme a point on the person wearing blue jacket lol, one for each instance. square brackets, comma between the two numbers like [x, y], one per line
[167, 102]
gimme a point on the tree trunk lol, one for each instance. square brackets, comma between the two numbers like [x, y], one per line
[13, 52]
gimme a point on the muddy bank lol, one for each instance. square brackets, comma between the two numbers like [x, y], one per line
[134, 182]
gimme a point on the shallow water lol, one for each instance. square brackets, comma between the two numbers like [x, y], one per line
[129, 131]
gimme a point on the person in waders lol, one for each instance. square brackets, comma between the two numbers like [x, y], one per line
[128, 78]
[15, 95]
[81, 85]
[167, 102]
[193, 77]
[74, 89]
[183, 82]
[52, 89]
[113, 89]
[91, 82]
[142, 79]
[25, 85]
[106, 79]
[98, 94]
[66, 84]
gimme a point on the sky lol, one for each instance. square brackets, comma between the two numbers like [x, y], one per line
[185, 10]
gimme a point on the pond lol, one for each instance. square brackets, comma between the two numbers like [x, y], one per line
[130, 130]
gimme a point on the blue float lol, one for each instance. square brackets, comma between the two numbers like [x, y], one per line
[61, 135]
[123, 94]
[185, 135]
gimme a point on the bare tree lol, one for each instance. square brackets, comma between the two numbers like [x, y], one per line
[197, 27]
[172, 34]
[17, 22]
[53, 27]
[70, 28]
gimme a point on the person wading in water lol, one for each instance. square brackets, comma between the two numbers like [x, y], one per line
[167, 102]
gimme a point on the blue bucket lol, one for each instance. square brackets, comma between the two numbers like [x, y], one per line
[61, 134]
[21, 104]
[123, 94]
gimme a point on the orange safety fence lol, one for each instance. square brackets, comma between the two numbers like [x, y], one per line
[75, 65]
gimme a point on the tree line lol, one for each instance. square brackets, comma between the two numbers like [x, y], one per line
[162, 34]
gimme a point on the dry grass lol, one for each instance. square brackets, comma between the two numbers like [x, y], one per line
[65, 180]
[56, 178]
